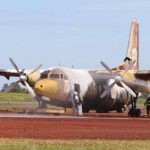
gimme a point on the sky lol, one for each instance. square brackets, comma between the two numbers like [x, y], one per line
[71, 32]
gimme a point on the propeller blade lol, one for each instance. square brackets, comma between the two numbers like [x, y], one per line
[11, 86]
[106, 67]
[128, 89]
[14, 65]
[118, 79]
[29, 89]
[107, 90]
[23, 78]
[36, 69]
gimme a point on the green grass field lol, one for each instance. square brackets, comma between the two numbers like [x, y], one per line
[20, 97]
[26, 144]
[18, 101]
[141, 101]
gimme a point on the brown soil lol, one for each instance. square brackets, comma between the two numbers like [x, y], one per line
[75, 128]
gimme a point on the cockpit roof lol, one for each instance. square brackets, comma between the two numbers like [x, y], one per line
[55, 73]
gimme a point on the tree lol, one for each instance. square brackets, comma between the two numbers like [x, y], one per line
[16, 89]
[4, 87]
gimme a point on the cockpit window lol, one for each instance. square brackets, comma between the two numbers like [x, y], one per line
[44, 74]
[54, 76]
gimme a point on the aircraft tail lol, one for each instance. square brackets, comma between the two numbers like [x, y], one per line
[132, 50]
[133, 46]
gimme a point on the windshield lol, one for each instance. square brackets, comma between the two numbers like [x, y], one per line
[54, 76]
[44, 74]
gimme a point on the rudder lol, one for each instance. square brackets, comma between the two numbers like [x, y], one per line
[133, 46]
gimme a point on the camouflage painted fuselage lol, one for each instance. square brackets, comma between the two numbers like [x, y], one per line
[57, 84]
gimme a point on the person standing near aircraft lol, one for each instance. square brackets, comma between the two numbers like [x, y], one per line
[147, 104]
[77, 101]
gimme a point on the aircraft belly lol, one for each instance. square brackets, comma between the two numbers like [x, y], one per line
[60, 103]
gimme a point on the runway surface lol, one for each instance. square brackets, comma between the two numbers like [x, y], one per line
[13, 125]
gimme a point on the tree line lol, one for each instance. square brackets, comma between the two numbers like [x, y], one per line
[16, 89]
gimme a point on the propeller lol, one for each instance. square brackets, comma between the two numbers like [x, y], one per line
[118, 79]
[22, 78]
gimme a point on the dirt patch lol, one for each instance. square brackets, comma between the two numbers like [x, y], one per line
[75, 128]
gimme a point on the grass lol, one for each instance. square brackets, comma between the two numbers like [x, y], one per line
[20, 101]
[141, 101]
[22, 97]
[28, 144]
[16, 101]
[19, 97]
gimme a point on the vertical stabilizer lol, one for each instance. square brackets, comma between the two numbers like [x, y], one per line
[133, 46]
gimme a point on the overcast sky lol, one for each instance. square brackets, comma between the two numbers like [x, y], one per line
[71, 32]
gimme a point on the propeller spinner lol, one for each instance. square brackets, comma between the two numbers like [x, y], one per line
[23, 78]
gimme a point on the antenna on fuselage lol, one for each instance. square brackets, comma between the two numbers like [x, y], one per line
[72, 66]
[59, 64]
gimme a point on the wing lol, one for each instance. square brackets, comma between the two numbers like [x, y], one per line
[7, 73]
[143, 75]
[10, 73]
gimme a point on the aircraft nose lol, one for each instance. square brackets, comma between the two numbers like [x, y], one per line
[46, 87]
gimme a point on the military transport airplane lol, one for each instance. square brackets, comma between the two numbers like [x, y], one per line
[102, 90]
